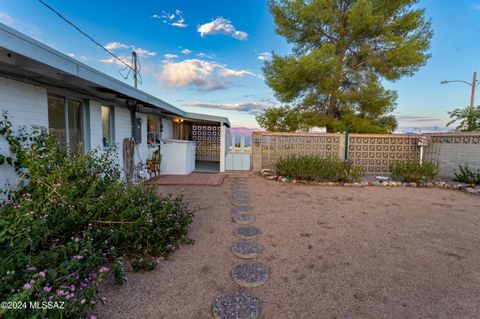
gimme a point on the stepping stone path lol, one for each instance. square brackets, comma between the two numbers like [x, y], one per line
[236, 305]
[242, 209]
[243, 219]
[248, 232]
[250, 274]
[247, 249]
[242, 304]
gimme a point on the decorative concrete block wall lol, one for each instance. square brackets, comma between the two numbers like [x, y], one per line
[450, 150]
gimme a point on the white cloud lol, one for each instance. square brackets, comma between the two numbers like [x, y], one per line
[72, 55]
[112, 46]
[265, 56]
[205, 75]
[186, 51]
[115, 61]
[174, 19]
[19, 25]
[169, 56]
[250, 107]
[144, 53]
[221, 26]
[476, 6]
[205, 55]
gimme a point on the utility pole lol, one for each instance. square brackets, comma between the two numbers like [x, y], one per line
[135, 70]
[472, 98]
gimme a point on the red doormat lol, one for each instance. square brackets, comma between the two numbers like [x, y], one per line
[203, 179]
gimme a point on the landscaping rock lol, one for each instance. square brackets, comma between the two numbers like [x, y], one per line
[243, 219]
[412, 185]
[238, 203]
[247, 232]
[250, 274]
[236, 305]
[283, 179]
[273, 177]
[247, 249]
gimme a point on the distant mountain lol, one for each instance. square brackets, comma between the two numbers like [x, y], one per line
[239, 131]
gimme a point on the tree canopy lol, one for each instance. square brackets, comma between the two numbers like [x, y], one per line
[342, 50]
[465, 119]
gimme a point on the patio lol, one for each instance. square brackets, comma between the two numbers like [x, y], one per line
[332, 252]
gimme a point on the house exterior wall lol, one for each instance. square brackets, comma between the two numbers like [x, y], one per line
[167, 133]
[96, 133]
[26, 106]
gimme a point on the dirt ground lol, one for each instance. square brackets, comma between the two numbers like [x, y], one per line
[333, 253]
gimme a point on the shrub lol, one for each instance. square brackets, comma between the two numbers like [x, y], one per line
[318, 169]
[413, 171]
[468, 175]
[71, 221]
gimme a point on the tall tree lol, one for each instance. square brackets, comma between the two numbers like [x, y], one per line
[342, 50]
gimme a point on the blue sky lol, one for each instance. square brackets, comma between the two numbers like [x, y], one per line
[206, 56]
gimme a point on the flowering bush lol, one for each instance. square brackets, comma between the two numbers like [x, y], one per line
[70, 222]
[313, 168]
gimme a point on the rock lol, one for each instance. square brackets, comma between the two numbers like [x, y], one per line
[243, 219]
[283, 179]
[272, 177]
[331, 184]
[429, 185]
[266, 172]
[376, 183]
[412, 185]
[392, 184]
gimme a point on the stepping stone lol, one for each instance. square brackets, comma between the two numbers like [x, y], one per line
[250, 274]
[242, 209]
[241, 197]
[247, 232]
[236, 305]
[243, 219]
[247, 249]
[243, 202]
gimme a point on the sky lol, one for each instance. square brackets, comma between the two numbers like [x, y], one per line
[207, 56]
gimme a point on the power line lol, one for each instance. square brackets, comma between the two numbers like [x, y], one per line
[85, 34]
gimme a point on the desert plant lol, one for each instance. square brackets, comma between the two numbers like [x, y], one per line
[414, 171]
[467, 175]
[71, 221]
[318, 169]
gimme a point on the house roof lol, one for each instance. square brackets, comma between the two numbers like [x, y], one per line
[26, 59]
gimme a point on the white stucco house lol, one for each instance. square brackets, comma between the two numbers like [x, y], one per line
[88, 109]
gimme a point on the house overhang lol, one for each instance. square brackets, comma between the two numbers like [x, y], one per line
[25, 59]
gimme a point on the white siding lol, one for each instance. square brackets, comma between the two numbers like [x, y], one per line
[123, 130]
[26, 106]
[167, 133]
[96, 135]
[141, 153]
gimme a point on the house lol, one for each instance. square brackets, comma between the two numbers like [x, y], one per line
[87, 109]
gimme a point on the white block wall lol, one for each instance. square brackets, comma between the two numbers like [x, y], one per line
[27, 106]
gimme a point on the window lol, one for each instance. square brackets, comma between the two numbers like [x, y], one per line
[154, 128]
[65, 121]
[107, 126]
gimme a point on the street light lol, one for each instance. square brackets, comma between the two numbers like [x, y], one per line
[473, 85]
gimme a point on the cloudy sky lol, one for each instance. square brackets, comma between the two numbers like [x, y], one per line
[207, 56]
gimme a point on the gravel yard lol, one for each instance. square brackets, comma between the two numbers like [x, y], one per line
[333, 252]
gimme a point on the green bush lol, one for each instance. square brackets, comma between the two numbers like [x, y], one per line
[71, 221]
[318, 169]
[467, 175]
[413, 171]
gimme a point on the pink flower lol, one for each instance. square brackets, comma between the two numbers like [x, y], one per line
[103, 269]
[47, 289]
[27, 286]
[42, 274]
[82, 301]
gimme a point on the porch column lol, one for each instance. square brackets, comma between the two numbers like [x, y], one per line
[222, 147]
